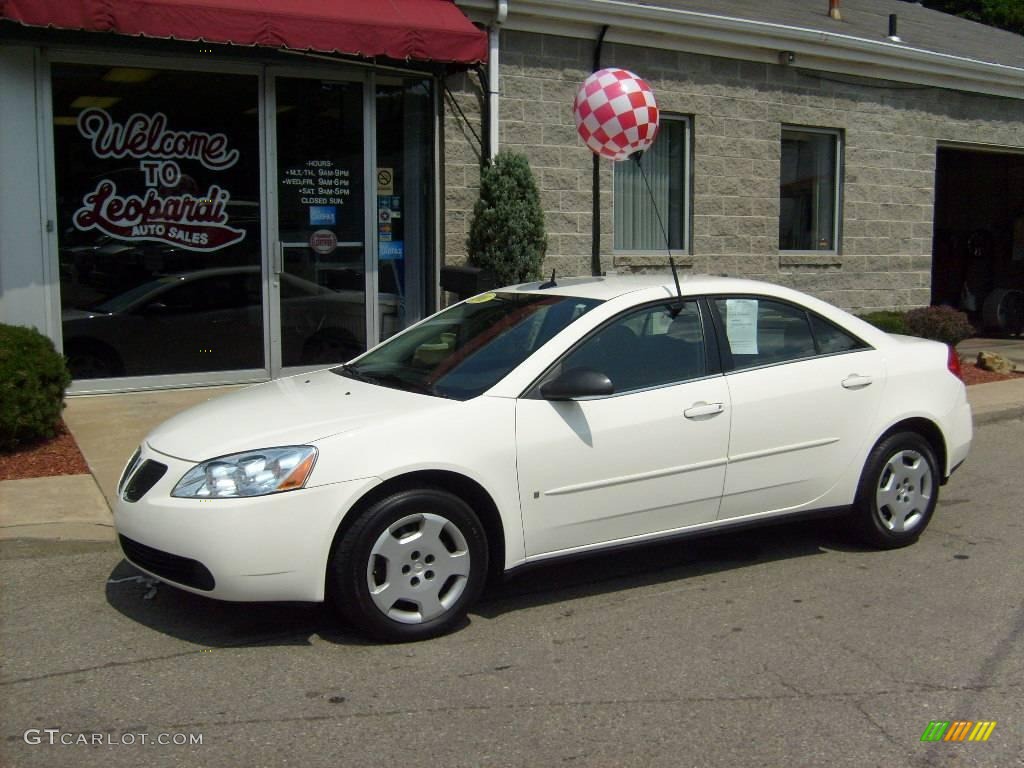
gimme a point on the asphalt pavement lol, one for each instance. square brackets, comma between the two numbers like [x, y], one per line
[789, 646]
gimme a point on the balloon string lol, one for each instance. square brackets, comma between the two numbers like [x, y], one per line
[636, 156]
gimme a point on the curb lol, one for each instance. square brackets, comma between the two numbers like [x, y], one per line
[996, 415]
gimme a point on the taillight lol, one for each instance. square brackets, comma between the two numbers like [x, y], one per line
[953, 363]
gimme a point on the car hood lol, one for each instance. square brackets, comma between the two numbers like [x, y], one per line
[297, 410]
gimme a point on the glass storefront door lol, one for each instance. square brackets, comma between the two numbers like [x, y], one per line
[319, 269]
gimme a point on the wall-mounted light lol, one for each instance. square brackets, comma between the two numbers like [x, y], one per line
[787, 58]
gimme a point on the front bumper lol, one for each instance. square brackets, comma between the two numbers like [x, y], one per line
[271, 547]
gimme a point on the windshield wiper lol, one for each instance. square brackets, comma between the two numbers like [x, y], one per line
[397, 382]
[390, 380]
[352, 372]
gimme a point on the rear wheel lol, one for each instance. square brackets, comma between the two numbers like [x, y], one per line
[898, 491]
[410, 566]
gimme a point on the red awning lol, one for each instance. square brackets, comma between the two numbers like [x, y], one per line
[420, 30]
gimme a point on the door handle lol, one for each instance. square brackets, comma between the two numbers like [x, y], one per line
[277, 260]
[856, 381]
[697, 410]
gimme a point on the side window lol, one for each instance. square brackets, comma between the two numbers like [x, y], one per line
[762, 331]
[832, 339]
[645, 348]
[182, 299]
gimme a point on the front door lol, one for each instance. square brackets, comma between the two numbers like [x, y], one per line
[648, 459]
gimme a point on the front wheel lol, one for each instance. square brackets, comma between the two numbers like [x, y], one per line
[898, 491]
[410, 566]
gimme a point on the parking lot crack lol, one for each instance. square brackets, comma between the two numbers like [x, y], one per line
[251, 643]
[795, 695]
[900, 746]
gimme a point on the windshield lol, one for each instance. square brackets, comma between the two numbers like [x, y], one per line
[467, 349]
[122, 301]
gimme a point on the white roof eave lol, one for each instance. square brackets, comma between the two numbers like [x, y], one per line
[749, 40]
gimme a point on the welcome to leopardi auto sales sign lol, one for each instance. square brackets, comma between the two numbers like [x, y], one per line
[166, 213]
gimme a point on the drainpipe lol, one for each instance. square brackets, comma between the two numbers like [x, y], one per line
[494, 82]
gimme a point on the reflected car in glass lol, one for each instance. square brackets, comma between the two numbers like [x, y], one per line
[538, 422]
[209, 319]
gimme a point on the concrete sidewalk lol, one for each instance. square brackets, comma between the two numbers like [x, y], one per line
[108, 428]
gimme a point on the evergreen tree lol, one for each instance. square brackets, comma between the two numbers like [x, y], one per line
[506, 235]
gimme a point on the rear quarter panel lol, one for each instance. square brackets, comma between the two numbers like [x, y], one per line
[920, 385]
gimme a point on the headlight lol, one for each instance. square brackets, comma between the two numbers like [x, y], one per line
[253, 473]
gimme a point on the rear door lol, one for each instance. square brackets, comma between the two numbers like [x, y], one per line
[802, 390]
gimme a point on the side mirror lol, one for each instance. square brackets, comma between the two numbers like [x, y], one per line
[576, 383]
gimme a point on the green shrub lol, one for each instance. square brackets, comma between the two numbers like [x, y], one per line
[33, 378]
[506, 235]
[890, 322]
[943, 324]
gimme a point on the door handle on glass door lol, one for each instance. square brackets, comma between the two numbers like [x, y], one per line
[856, 381]
[697, 410]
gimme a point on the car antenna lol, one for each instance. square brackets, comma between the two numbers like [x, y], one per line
[550, 283]
[677, 306]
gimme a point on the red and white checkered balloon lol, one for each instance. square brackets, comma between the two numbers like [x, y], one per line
[616, 114]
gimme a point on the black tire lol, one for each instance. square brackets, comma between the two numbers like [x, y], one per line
[898, 490]
[437, 531]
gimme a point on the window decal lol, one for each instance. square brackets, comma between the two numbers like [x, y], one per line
[172, 211]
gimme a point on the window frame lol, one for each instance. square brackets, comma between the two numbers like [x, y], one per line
[713, 361]
[837, 192]
[687, 185]
[725, 351]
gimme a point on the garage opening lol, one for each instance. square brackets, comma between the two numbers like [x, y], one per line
[978, 243]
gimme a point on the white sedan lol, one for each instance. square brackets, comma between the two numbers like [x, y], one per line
[538, 422]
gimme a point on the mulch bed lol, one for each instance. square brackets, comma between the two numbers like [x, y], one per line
[44, 458]
[975, 375]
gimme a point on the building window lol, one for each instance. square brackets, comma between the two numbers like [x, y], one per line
[667, 166]
[809, 190]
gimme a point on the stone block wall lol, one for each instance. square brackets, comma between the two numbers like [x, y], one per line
[737, 110]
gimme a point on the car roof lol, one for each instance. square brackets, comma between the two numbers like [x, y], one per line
[613, 286]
